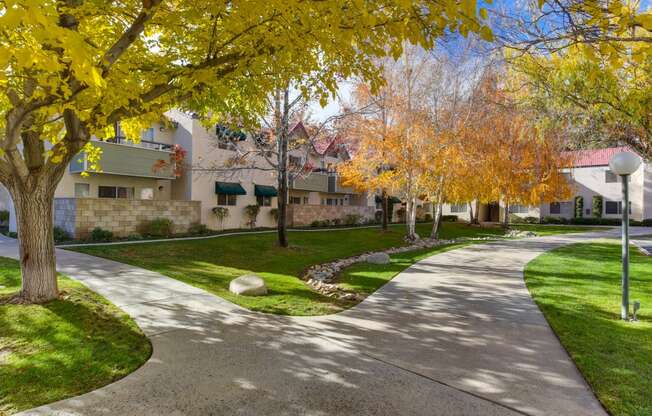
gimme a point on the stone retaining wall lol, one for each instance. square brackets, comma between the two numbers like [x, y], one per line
[79, 216]
[299, 215]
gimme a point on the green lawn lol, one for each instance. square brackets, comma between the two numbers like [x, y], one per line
[212, 263]
[62, 348]
[578, 289]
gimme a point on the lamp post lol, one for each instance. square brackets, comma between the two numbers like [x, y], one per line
[624, 164]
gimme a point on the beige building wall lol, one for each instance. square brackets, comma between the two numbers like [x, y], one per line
[161, 188]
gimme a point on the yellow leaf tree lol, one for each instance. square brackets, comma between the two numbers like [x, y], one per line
[69, 69]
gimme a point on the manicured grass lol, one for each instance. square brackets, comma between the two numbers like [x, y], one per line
[578, 289]
[212, 263]
[62, 348]
[543, 230]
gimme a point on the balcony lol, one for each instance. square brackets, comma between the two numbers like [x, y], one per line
[320, 182]
[120, 157]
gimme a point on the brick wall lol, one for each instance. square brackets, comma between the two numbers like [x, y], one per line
[122, 216]
[299, 215]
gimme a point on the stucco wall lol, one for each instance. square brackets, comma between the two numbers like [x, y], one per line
[66, 188]
[299, 215]
[121, 216]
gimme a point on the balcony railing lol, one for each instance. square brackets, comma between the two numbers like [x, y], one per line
[154, 161]
[320, 182]
[147, 144]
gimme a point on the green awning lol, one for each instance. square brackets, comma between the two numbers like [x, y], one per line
[265, 190]
[391, 199]
[229, 188]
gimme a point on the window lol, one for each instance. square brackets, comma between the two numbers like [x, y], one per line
[147, 193]
[610, 177]
[115, 192]
[148, 134]
[294, 161]
[555, 208]
[264, 201]
[329, 201]
[305, 200]
[226, 199]
[82, 190]
[587, 212]
[518, 209]
[615, 207]
[295, 200]
[458, 208]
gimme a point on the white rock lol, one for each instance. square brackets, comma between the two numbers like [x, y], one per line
[378, 258]
[248, 285]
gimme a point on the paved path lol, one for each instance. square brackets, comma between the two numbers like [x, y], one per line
[455, 334]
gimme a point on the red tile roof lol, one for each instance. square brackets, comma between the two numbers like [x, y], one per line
[595, 157]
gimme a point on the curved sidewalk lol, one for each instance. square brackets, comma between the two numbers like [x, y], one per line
[455, 334]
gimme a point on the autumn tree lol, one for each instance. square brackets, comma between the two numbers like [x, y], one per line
[69, 69]
[586, 66]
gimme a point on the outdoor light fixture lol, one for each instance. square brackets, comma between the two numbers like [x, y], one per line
[624, 164]
[636, 306]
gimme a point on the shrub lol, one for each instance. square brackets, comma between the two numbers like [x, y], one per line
[352, 219]
[596, 207]
[579, 206]
[378, 216]
[101, 235]
[647, 222]
[61, 235]
[554, 220]
[336, 221]
[197, 229]
[315, 223]
[515, 219]
[531, 220]
[221, 213]
[251, 211]
[4, 216]
[427, 218]
[159, 227]
[595, 221]
[134, 237]
[274, 213]
[449, 218]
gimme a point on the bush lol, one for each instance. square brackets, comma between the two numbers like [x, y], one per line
[449, 218]
[274, 213]
[515, 219]
[61, 235]
[596, 207]
[4, 216]
[554, 220]
[352, 219]
[531, 220]
[101, 235]
[595, 221]
[378, 216]
[134, 237]
[159, 227]
[315, 223]
[579, 206]
[251, 211]
[221, 213]
[336, 221]
[427, 218]
[400, 213]
[647, 222]
[197, 229]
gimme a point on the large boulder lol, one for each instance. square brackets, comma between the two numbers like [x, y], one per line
[378, 258]
[248, 285]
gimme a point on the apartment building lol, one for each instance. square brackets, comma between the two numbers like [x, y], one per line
[142, 181]
[589, 177]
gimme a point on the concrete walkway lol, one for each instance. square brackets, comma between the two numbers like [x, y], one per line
[455, 334]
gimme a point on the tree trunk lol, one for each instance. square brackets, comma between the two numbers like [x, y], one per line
[385, 203]
[506, 215]
[471, 213]
[283, 181]
[436, 225]
[476, 219]
[36, 244]
[410, 215]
